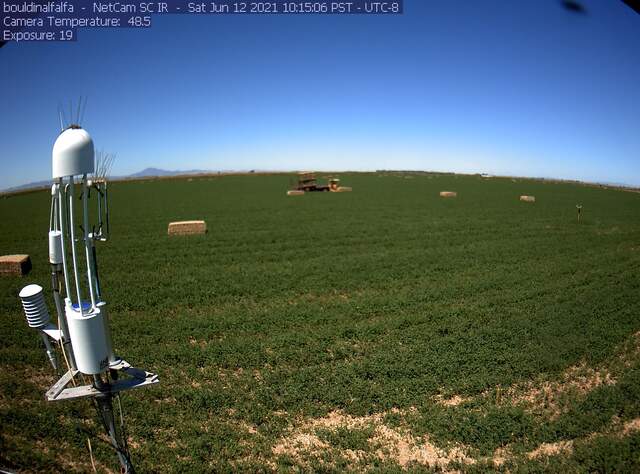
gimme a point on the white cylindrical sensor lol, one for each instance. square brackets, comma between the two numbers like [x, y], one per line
[34, 306]
[88, 339]
[55, 247]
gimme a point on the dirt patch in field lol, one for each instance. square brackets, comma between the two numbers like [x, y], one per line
[500, 456]
[544, 397]
[452, 401]
[403, 449]
[320, 440]
[551, 449]
[385, 443]
[298, 445]
[134, 443]
[198, 342]
[630, 427]
[550, 397]
[615, 429]
[631, 352]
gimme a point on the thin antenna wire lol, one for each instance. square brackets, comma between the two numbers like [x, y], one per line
[104, 162]
[63, 114]
[110, 165]
[84, 106]
[70, 112]
[78, 111]
[96, 170]
[61, 122]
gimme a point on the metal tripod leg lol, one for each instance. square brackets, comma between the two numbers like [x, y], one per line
[105, 409]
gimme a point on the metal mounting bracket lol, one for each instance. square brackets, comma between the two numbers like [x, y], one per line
[137, 378]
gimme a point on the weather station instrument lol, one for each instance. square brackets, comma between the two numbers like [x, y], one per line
[82, 334]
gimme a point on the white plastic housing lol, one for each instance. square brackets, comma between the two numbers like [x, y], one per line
[55, 247]
[34, 306]
[88, 339]
[73, 153]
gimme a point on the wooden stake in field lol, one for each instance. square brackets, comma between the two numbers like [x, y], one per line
[579, 208]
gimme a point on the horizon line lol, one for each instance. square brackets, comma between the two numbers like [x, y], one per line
[40, 185]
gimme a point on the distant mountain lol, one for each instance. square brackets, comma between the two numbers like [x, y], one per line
[145, 173]
[148, 172]
[35, 185]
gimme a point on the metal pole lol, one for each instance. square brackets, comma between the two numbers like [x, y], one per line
[62, 211]
[96, 276]
[87, 241]
[105, 409]
[62, 317]
[50, 352]
[73, 244]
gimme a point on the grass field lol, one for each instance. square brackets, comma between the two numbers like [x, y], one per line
[382, 329]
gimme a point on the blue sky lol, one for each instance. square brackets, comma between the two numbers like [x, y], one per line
[504, 87]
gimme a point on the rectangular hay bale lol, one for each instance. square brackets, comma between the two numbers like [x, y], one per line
[448, 194]
[528, 198]
[187, 228]
[295, 192]
[15, 264]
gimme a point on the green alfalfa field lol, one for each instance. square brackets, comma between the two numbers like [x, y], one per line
[385, 329]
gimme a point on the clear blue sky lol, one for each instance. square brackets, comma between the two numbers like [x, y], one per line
[504, 87]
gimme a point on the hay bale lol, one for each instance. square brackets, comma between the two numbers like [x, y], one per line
[344, 189]
[15, 264]
[448, 194]
[528, 198]
[187, 228]
[295, 192]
